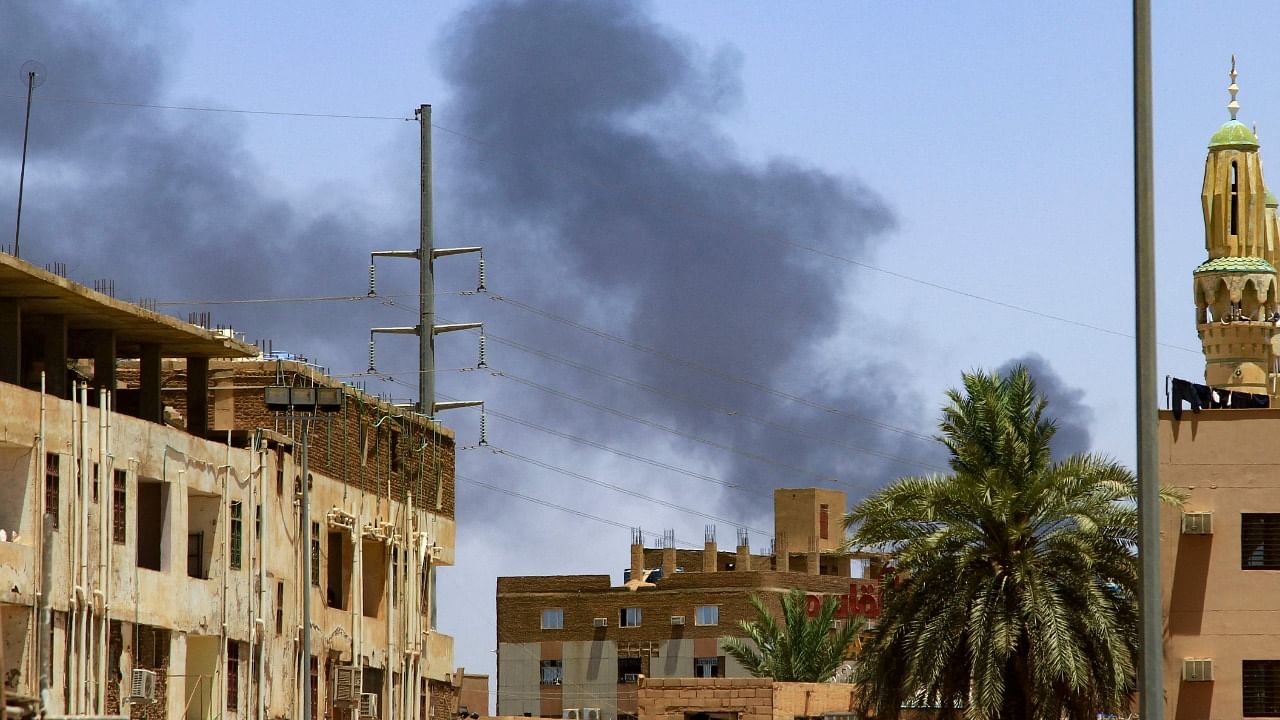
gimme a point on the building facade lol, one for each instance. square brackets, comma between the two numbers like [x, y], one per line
[577, 646]
[174, 569]
[1220, 552]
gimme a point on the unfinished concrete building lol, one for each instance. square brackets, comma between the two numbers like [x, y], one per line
[174, 570]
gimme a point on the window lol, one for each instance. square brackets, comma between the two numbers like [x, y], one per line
[1260, 541]
[1235, 197]
[51, 486]
[552, 671]
[95, 484]
[315, 554]
[708, 667]
[237, 529]
[706, 615]
[279, 471]
[279, 607]
[553, 619]
[629, 669]
[233, 674]
[824, 513]
[629, 617]
[1261, 687]
[195, 555]
[119, 506]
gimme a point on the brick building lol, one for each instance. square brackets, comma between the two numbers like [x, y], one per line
[577, 645]
[176, 568]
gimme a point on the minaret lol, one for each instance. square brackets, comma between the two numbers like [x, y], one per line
[1235, 290]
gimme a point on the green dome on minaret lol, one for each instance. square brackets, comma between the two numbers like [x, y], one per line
[1233, 133]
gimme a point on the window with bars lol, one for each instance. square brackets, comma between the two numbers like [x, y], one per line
[708, 667]
[51, 486]
[551, 671]
[1260, 541]
[1261, 688]
[119, 506]
[233, 675]
[237, 530]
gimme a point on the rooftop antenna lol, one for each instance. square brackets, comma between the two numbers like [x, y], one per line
[33, 74]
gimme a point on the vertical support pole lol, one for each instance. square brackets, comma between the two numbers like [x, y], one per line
[44, 621]
[22, 173]
[1150, 665]
[426, 281]
[104, 360]
[305, 511]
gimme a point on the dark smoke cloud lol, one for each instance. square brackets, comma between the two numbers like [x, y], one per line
[1066, 405]
[169, 205]
[597, 142]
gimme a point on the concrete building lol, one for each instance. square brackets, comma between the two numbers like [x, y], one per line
[1220, 553]
[576, 645]
[175, 571]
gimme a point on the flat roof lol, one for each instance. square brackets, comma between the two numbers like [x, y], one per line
[39, 292]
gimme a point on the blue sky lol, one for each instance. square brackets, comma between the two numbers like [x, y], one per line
[997, 137]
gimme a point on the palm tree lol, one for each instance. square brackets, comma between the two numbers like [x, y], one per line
[1013, 591]
[801, 649]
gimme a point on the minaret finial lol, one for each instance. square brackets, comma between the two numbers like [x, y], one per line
[1234, 106]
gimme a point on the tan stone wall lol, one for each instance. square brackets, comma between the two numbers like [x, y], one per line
[670, 698]
[791, 700]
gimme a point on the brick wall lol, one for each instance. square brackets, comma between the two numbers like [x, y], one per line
[347, 447]
[444, 700]
[792, 700]
[520, 602]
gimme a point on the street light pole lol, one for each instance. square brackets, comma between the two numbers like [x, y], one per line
[1150, 663]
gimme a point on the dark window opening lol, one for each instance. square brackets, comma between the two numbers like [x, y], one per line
[51, 486]
[339, 572]
[237, 529]
[315, 554]
[279, 471]
[1235, 197]
[1261, 688]
[394, 450]
[629, 669]
[195, 555]
[94, 492]
[119, 506]
[313, 673]
[279, 607]
[823, 517]
[153, 506]
[233, 674]
[1260, 541]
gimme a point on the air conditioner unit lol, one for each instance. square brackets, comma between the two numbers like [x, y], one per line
[677, 619]
[570, 714]
[1197, 523]
[631, 677]
[590, 714]
[346, 684]
[368, 705]
[143, 686]
[1197, 670]
[600, 622]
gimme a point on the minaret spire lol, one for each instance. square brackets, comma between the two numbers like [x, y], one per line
[1234, 106]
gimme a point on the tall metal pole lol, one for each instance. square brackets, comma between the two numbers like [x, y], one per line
[426, 283]
[44, 620]
[305, 512]
[1151, 664]
[22, 173]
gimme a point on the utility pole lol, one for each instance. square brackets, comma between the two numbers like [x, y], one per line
[1150, 663]
[426, 329]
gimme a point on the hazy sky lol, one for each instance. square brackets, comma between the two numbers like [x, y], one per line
[767, 202]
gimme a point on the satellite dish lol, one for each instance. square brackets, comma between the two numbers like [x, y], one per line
[33, 72]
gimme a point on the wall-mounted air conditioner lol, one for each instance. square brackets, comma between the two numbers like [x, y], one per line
[569, 714]
[346, 684]
[1197, 523]
[677, 619]
[368, 705]
[590, 714]
[600, 622]
[631, 677]
[142, 687]
[1197, 669]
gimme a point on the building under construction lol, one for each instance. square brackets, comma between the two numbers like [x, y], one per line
[173, 569]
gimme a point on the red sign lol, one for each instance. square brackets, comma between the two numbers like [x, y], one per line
[863, 600]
